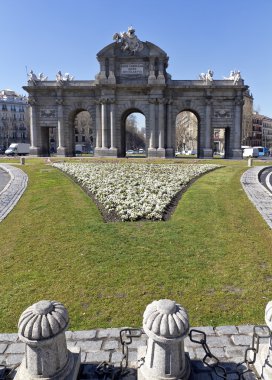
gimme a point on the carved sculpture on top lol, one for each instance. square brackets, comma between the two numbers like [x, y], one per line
[63, 78]
[206, 77]
[129, 41]
[235, 76]
[32, 77]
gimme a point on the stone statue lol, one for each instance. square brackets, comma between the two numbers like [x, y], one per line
[32, 77]
[206, 77]
[128, 41]
[63, 78]
[67, 77]
[59, 76]
[235, 76]
[42, 77]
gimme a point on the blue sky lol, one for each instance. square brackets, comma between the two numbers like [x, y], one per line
[66, 35]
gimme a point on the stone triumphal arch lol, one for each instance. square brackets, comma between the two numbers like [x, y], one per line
[133, 78]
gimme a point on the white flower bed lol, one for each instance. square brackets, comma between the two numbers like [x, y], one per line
[134, 191]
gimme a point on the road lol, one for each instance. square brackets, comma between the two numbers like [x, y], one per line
[266, 178]
[4, 179]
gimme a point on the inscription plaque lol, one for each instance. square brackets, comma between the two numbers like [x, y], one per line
[132, 68]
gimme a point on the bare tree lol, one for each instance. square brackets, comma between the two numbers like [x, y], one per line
[135, 138]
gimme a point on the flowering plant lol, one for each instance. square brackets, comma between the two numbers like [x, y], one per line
[134, 191]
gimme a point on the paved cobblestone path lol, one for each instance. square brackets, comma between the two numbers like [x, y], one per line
[257, 193]
[228, 343]
[4, 179]
[14, 182]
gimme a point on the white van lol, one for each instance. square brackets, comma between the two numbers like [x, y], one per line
[250, 152]
[19, 149]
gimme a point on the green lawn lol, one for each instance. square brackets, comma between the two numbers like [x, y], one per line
[213, 256]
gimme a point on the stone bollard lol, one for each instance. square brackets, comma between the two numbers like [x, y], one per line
[263, 363]
[42, 328]
[22, 160]
[166, 324]
[250, 162]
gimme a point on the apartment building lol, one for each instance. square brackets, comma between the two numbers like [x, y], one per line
[14, 118]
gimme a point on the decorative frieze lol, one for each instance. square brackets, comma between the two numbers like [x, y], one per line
[48, 113]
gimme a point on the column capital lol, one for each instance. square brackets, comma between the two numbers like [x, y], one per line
[208, 101]
[239, 101]
[59, 101]
[162, 101]
[153, 101]
[32, 101]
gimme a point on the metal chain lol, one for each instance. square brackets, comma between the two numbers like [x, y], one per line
[241, 368]
[109, 371]
[7, 373]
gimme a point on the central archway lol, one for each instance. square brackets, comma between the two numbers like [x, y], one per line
[187, 134]
[133, 134]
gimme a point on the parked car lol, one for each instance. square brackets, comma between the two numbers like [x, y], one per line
[130, 151]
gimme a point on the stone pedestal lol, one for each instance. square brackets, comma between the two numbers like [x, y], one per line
[61, 151]
[166, 325]
[169, 153]
[161, 153]
[152, 153]
[34, 151]
[42, 328]
[206, 153]
[237, 154]
[112, 152]
[263, 363]
[101, 152]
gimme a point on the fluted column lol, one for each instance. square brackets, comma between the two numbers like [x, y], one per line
[169, 134]
[98, 125]
[161, 123]
[104, 123]
[61, 143]
[208, 124]
[206, 150]
[238, 123]
[112, 124]
[152, 121]
[33, 125]
[236, 151]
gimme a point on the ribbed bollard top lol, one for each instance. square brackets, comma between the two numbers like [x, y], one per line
[166, 319]
[43, 320]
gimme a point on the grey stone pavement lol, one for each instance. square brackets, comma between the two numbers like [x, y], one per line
[13, 182]
[257, 193]
[227, 343]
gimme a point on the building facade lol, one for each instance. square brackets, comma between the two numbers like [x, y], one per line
[267, 133]
[14, 119]
[133, 78]
[257, 129]
[247, 125]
